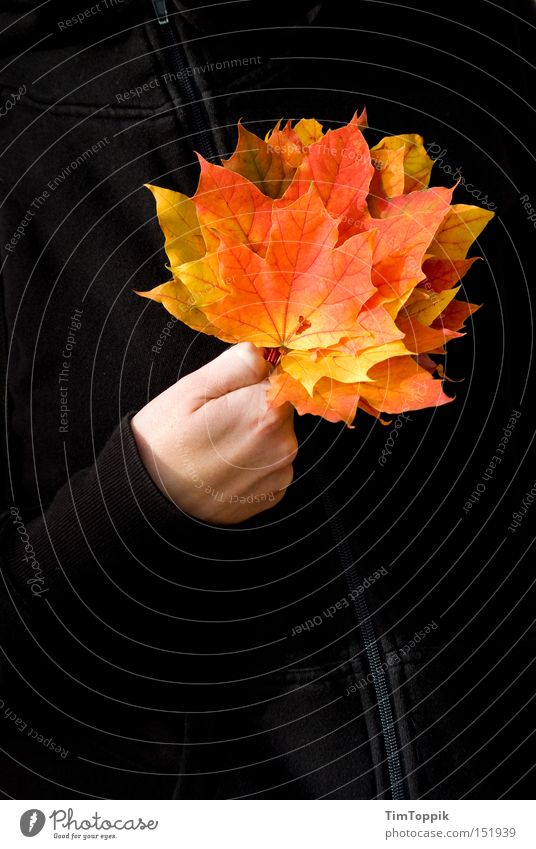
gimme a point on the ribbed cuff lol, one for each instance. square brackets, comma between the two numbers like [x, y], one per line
[102, 524]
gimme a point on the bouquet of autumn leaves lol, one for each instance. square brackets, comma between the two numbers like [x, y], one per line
[336, 258]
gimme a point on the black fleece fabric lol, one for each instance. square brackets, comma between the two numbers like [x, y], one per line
[146, 654]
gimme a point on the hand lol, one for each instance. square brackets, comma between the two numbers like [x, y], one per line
[211, 443]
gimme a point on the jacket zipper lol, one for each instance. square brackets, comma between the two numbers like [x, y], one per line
[370, 641]
[190, 95]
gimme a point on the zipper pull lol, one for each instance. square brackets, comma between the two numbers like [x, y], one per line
[160, 9]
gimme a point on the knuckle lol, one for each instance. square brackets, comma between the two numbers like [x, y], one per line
[254, 358]
[280, 461]
[292, 449]
[284, 455]
[271, 421]
[287, 475]
[268, 427]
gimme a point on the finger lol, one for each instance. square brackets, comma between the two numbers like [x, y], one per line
[239, 366]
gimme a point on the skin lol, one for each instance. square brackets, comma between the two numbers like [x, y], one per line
[211, 437]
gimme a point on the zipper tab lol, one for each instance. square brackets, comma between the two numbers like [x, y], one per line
[186, 87]
[160, 9]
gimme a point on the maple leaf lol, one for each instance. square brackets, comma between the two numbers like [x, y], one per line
[187, 296]
[455, 314]
[406, 226]
[233, 206]
[426, 309]
[340, 167]
[287, 144]
[444, 273]
[308, 131]
[401, 384]
[402, 162]
[308, 368]
[388, 177]
[261, 162]
[334, 401]
[178, 219]
[305, 292]
[337, 259]
[394, 386]
[421, 339]
[186, 243]
[290, 142]
[458, 230]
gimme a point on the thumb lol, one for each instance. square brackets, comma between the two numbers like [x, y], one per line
[240, 365]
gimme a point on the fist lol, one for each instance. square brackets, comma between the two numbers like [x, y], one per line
[212, 444]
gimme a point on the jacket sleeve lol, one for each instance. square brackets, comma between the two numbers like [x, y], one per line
[98, 531]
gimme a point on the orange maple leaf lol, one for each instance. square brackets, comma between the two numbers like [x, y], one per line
[306, 292]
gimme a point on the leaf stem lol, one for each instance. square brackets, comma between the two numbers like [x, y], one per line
[273, 355]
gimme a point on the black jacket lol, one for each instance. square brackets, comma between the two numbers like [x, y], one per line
[371, 641]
